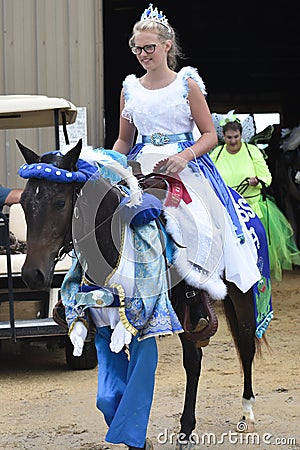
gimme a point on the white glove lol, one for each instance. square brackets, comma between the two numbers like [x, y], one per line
[77, 337]
[119, 338]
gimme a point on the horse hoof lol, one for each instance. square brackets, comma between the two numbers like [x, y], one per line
[187, 446]
[245, 426]
[250, 426]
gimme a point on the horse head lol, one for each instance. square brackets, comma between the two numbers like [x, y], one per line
[48, 207]
[63, 211]
[291, 158]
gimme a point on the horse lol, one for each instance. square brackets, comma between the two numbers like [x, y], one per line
[284, 163]
[48, 208]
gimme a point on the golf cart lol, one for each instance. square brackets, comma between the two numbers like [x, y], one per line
[27, 316]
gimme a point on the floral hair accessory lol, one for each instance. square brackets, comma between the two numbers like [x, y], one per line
[154, 16]
[230, 117]
[248, 126]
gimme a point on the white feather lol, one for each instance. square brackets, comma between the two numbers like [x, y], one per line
[94, 156]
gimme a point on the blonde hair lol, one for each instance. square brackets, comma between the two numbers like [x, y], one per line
[164, 33]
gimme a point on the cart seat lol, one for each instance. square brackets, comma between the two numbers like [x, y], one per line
[17, 225]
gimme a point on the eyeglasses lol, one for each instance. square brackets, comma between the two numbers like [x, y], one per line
[149, 48]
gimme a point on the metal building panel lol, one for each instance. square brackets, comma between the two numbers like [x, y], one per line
[52, 48]
[19, 47]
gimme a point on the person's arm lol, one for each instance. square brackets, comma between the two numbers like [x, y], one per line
[13, 197]
[4, 191]
[127, 131]
[202, 117]
[69, 289]
[261, 167]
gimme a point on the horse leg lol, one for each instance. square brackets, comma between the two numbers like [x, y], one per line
[192, 356]
[239, 312]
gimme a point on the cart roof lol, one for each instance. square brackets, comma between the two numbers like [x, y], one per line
[33, 111]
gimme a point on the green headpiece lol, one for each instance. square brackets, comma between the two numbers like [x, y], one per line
[230, 117]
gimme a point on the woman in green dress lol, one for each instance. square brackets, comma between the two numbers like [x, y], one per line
[243, 167]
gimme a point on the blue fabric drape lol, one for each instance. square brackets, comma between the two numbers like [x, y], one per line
[125, 387]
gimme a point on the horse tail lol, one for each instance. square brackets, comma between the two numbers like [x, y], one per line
[232, 322]
[258, 345]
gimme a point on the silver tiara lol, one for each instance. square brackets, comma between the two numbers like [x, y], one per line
[154, 16]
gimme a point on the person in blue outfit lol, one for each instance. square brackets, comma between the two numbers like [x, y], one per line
[125, 385]
[9, 196]
[135, 308]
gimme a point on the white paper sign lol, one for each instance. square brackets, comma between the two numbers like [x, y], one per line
[76, 130]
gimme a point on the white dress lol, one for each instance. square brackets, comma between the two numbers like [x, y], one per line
[212, 249]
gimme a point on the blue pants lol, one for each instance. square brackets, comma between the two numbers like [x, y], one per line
[125, 387]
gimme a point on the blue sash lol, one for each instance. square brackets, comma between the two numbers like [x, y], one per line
[262, 295]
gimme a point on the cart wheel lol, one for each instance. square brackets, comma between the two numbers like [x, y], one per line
[88, 359]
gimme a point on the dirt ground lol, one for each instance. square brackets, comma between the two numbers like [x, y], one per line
[43, 405]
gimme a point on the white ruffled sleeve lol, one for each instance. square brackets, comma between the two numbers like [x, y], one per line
[128, 86]
[192, 72]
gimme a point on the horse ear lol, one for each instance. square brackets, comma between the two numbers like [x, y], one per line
[29, 155]
[69, 160]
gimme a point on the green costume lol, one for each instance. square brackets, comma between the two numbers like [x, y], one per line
[246, 163]
[234, 168]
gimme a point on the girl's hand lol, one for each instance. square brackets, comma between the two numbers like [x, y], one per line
[175, 164]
